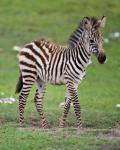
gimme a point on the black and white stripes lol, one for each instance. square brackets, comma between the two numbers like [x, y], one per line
[45, 62]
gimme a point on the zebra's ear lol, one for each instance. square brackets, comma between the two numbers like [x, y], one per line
[86, 23]
[102, 22]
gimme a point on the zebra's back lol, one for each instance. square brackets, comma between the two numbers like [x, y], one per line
[45, 60]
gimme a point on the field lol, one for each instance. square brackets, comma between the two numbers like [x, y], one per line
[24, 21]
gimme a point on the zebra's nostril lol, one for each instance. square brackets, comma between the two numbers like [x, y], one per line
[101, 58]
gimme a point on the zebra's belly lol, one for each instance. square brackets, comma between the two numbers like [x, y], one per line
[57, 81]
[52, 79]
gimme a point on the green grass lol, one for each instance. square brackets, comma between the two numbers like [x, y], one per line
[24, 21]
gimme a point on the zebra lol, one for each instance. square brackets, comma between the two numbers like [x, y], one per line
[43, 62]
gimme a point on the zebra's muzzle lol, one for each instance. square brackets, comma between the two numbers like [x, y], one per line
[101, 58]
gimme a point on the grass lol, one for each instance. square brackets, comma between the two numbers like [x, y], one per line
[22, 22]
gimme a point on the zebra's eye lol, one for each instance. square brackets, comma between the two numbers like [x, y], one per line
[91, 41]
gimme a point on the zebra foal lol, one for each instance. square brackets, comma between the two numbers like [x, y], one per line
[45, 62]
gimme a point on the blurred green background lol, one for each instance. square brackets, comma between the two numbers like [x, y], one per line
[24, 21]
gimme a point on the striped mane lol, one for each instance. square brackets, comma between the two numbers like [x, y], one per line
[75, 36]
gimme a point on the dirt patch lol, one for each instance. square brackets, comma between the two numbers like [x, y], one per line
[105, 134]
[112, 134]
[37, 129]
[110, 147]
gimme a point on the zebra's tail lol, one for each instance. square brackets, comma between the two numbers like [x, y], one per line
[19, 84]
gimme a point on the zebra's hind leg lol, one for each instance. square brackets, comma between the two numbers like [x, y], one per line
[39, 102]
[22, 99]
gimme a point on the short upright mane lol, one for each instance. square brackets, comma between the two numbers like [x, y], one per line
[75, 37]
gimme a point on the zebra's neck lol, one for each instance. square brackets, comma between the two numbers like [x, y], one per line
[75, 37]
[79, 55]
[79, 48]
[83, 55]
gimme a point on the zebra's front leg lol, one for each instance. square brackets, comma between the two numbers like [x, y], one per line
[65, 113]
[77, 109]
[66, 110]
[72, 88]
[39, 104]
[73, 97]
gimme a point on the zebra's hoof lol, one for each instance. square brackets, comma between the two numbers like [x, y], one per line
[45, 126]
[21, 124]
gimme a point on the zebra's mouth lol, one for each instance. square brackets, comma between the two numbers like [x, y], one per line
[101, 58]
